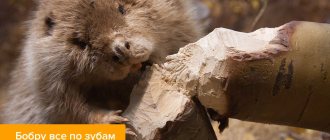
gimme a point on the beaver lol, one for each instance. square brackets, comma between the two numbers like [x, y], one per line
[81, 58]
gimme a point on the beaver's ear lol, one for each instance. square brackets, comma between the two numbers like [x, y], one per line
[49, 23]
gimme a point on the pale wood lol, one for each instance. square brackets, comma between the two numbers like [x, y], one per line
[273, 75]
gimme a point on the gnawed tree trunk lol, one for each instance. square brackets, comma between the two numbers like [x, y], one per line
[273, 75]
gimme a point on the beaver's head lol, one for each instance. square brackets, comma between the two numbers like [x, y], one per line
[109, 38]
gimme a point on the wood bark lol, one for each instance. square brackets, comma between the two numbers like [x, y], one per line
[273, 75]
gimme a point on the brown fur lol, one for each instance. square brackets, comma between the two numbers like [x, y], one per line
[79, 53]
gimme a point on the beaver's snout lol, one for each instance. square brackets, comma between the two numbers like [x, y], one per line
[129, 50]
[121, 49]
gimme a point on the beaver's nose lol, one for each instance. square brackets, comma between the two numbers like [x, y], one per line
[121, 49]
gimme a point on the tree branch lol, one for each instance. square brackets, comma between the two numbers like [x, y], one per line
[273, 75]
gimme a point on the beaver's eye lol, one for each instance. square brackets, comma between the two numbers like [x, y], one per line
[121, 9]
[80, 43]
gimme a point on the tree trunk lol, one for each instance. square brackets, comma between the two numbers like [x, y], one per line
[273, 75]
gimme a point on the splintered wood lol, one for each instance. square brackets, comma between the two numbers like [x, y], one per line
[273, 75]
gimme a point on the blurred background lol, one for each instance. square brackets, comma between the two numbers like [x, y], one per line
[240, 15]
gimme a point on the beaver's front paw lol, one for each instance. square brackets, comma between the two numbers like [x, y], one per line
[111, 117]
